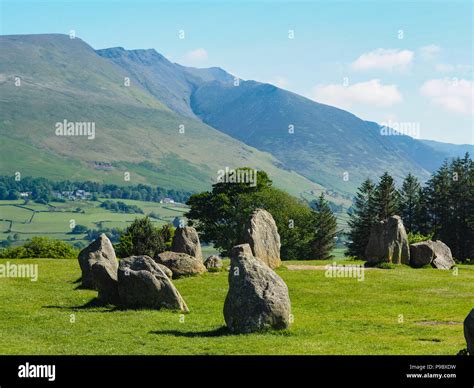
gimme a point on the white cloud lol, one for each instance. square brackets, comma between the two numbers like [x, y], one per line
[198, 55]
[450, 94]
[280, 81]
[445, 68]
[384, 59]
[429, 52]
[370, 92]
[448, 68]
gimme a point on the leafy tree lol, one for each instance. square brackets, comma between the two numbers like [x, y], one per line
[41, 247]
[13, 195]
[409, 202]
[361, 218]
[141, 237]
[325, 230]
[167, 232]
[221, 215]
[79, 229]
[386, 197]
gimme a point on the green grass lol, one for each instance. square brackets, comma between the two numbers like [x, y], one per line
[35, 219]
[331, 315]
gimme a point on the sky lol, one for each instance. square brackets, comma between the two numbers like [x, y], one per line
[405, 64]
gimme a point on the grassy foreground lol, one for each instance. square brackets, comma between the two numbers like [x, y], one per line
[399, 311]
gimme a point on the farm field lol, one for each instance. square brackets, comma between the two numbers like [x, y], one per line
[54, 220]
[397, 311]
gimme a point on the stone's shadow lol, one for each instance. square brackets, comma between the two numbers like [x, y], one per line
[81, 287]
[93, 303]
[220, 332]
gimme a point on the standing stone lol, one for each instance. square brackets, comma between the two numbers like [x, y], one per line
[257, 298]
[213, 262]
[263, 238]
[180, 264]
[469, 332]
[388, 242]
[442, 258]
[99, 250]
[142, 283]
[105, 279]
[435, 253]
[186, 240]
[241, 249]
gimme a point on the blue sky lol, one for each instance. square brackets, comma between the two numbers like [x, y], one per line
[394, 62]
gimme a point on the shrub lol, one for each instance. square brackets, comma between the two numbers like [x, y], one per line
[414, 238]
[41, 247]
[143, 238]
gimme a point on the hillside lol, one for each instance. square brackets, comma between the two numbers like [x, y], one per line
[452, 150]
[326, 141]
[65, 79]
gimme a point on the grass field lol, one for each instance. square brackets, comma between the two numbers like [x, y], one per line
[54, 220]
[399, 311]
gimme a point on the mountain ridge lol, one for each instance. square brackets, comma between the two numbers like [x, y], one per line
[252, 119]
[63, 78]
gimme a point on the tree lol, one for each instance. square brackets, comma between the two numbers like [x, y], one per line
[437, 199]
[409, 202]
[79, 229]
[221, 215]
[446, 208]
[361, 218]
[324, 225]
[422, 221]
[386, 198]
[141, 237]
[451, 206]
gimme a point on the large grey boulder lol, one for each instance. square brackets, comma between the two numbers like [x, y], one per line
[469, 332]
[180, 264]
[213, 262]
[263, 238]
[186, 240]
[105, 279]
[421, 254]
[442, 259]
[142, 283]
[435, 253]
[388, 242]
[99, 250]
[257, 299]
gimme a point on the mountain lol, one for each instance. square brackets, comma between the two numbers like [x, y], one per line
[136, 131]
[306, 147]
[326, 142]
[170, 83]
[451, 150]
